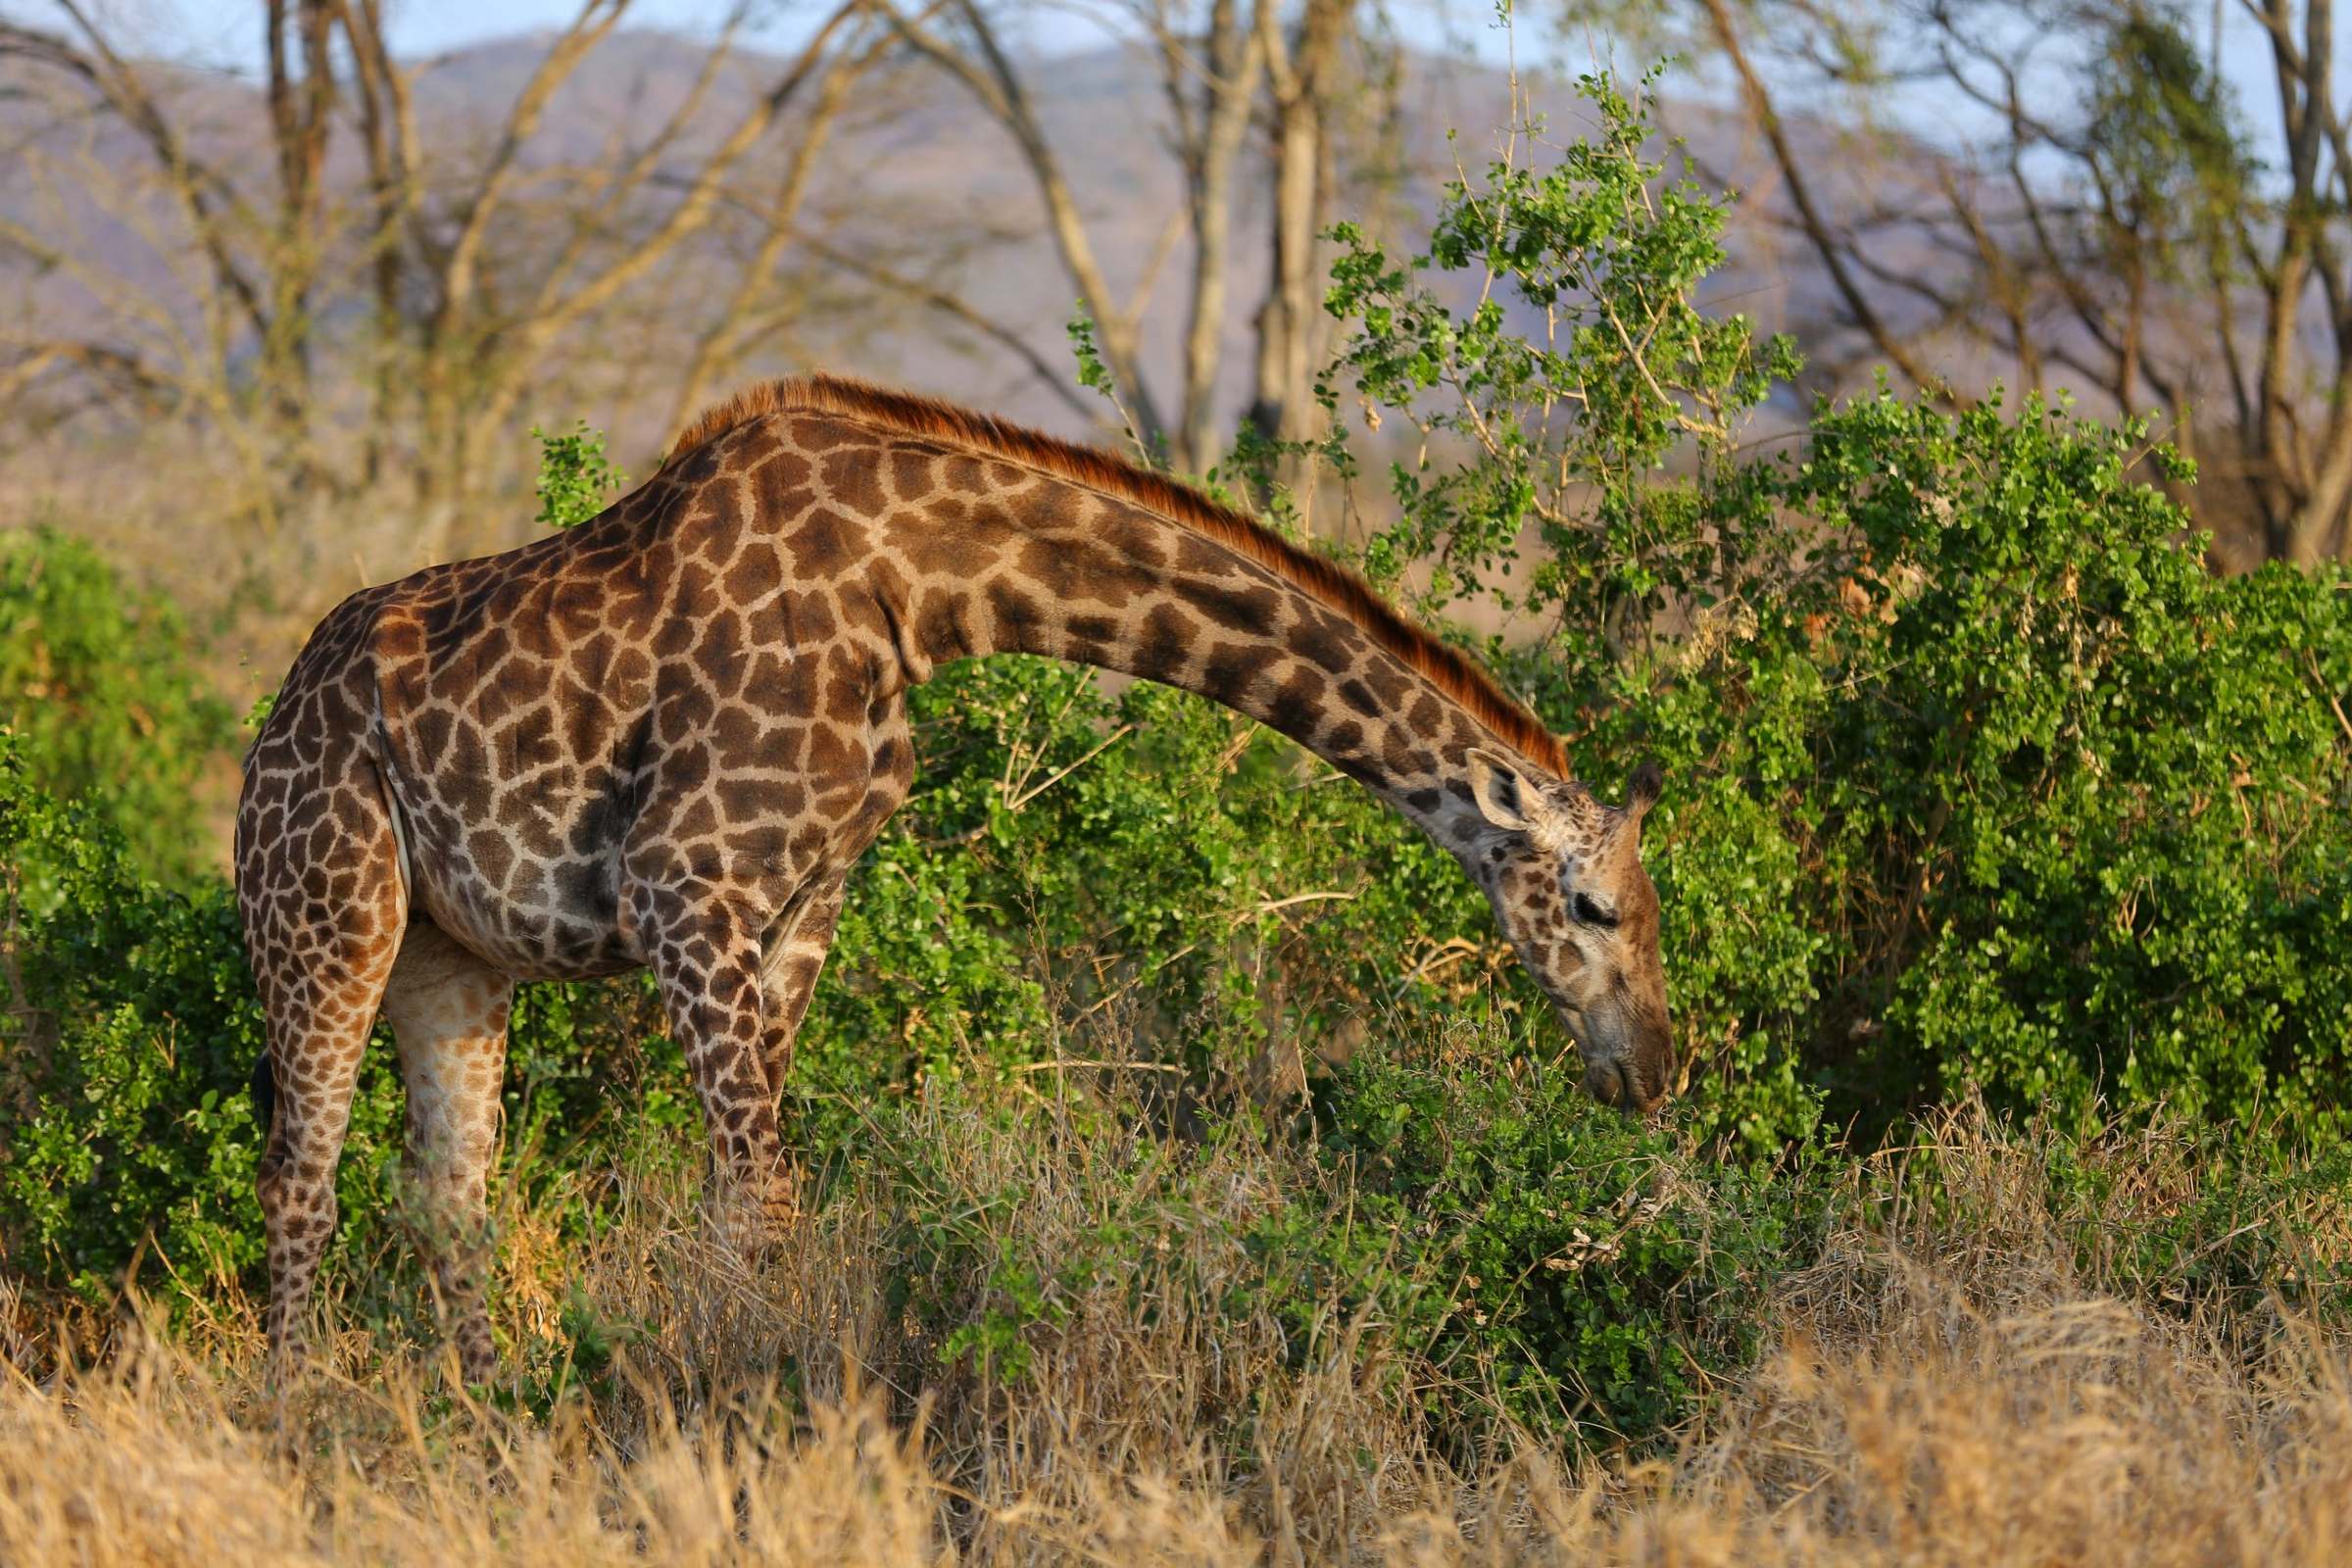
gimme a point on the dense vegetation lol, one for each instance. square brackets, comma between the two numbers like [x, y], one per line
[1981, 787]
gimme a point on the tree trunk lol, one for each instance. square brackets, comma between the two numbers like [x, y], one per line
[1235, 59]
[1283, 408]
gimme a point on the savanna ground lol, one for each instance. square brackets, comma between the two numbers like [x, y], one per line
[1191, 1175]
[1985, 1345]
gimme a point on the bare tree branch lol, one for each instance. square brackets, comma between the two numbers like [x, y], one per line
[1825, 243]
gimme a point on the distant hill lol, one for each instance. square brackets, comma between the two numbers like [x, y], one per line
[916, 177]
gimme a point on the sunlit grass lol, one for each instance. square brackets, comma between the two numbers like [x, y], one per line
[1970, 1366]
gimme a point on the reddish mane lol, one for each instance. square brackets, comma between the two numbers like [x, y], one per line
[1444, 665]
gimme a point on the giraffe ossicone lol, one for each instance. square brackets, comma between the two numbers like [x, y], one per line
[662, 738]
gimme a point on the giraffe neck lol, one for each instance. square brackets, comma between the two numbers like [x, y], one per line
[1015, 561]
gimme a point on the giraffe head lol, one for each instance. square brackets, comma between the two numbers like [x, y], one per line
[1564, 874]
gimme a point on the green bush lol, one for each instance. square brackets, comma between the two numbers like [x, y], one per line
[99, 682]
[2117, 781]
[1539, 1259]
[2023, 799]
[124, 1126]
[1594, 1273]
[1064, 857]
[1977, 776]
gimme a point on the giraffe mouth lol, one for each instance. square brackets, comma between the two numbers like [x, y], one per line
[1616, 1082]
[1631, 1100]
[1616, 1053]
[1608, 1082]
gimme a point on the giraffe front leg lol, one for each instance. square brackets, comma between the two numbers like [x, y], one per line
[706, 960]
[448, 1011]
[796, 958]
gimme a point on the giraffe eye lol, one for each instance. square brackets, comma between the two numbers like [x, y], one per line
[1590, 911]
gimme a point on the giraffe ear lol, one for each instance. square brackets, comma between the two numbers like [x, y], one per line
[1648, 783]
[1505, 796]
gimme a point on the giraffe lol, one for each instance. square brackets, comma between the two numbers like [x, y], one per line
[662, 739]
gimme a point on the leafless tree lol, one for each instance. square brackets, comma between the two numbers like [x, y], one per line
[249, 259]
[473, 272]
[2111, 224]
[475, 348]
[377, 297]
[1303, 61]
[1226, 68]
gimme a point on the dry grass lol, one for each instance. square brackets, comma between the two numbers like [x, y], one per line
[1967, 1377]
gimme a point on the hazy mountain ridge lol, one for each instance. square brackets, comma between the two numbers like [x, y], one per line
[915, 176]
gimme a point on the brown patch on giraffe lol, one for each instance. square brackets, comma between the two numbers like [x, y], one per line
[825, 545]
[1237, 606]
[1165, 644]
[940, 625]
[1299, 703]
[812, 397]
[856, 484]
[756, 574]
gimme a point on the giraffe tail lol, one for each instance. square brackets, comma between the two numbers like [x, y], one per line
[263, 1088]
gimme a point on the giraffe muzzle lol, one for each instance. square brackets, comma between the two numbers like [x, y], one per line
[1630, 1069]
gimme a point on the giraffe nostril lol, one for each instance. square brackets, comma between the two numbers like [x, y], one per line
[1600, 1082]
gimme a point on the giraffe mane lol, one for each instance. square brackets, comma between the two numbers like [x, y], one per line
[1329, 583]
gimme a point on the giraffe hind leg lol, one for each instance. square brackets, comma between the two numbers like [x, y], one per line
[448, 1011]
[324, 906]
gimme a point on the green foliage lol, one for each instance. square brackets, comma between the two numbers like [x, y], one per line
[1547, 1261]
[1539, 1259]
[1583, 366]
[1092, 372]
[98, 683]
[1978, 776]
[2105, 788]
[124, 1122]
[1999, 788]
[576, 478]
[1154, 860]
[1595, 1273]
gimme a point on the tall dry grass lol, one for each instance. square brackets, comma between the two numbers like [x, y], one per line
[1966, 1367]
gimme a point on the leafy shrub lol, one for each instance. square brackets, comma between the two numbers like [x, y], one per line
[1977, 776]
[1595, 1272]
[2116, 782]
[99, 684]
[1585, 367]
[125, 1127]
[1535, 1258]
[1064, 856]
[2020, 797]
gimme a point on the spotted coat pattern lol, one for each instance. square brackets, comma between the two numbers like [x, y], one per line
[662, 739]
